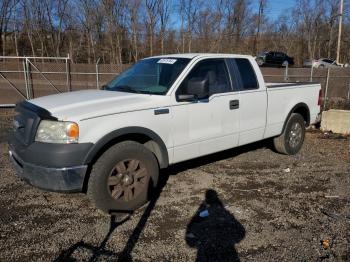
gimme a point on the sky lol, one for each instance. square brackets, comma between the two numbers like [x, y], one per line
[274, 8]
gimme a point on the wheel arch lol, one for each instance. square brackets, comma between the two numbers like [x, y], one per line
[142, 135]
[303, 110]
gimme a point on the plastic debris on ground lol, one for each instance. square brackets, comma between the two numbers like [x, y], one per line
[204, 213]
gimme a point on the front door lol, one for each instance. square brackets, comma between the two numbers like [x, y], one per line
[211, 124]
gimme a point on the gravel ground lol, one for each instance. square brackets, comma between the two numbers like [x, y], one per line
[262, 206]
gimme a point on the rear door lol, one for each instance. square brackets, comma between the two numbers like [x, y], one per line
[211, 124]
[252, 101]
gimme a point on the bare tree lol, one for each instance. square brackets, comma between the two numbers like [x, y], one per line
[28, 24]
[123, 31]
[189, 10]
[133, 7]
[91, 19]
[113, 12]
[57, 15]
[262, 6]
[151, 10]
[6, 11]
[333, 15]
[164, 15]
[237, 19]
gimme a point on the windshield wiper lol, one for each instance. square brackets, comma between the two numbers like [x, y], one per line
[131, 90]
[127, 89]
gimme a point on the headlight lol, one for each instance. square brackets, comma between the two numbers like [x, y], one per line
[57, 132]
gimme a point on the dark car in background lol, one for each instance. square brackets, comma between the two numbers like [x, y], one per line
[273, 58]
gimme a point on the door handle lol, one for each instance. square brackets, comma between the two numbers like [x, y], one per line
[161, 111]
[234, 104]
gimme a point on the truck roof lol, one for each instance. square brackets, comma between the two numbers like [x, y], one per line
[193, 55]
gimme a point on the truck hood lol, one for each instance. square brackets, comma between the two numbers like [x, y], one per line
[79, 105]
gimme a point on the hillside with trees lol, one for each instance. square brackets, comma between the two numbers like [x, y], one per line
[123, 31]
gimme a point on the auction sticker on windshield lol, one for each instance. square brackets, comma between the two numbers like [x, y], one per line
[166, 61]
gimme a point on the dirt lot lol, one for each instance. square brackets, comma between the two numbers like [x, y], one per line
[262, 206]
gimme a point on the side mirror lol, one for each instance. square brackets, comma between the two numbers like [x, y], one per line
[199, 87]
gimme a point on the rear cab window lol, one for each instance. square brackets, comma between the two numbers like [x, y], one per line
[243, 71]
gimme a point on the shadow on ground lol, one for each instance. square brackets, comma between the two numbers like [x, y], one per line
[214, 236]
[125, 254]
[214, 231]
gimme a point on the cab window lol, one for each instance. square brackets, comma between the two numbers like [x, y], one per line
[247, 74]
[213, 72]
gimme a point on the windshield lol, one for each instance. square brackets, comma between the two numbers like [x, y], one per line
[149, 76]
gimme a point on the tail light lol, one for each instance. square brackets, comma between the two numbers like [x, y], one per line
[319, 97]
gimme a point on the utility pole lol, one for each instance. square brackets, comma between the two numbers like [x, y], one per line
[257, 36]
[339, 32]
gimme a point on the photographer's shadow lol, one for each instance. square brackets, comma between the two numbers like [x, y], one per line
[214, 231]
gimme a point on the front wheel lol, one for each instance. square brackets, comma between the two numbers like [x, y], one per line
[122, 177]
[292, 138]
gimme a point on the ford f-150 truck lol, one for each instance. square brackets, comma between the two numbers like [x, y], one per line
[111, 143]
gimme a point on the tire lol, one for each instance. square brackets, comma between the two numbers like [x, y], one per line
[292, 138]
[285, 63]
[122, 178]
[260, 61]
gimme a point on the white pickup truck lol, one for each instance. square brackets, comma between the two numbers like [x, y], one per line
[111, 143]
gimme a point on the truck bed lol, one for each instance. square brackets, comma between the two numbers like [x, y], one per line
[282, 97]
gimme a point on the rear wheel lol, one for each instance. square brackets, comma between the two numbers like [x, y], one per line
[122, 177]
[292, 138]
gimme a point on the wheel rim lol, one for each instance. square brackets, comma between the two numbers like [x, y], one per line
[127, 179]
[295, 135]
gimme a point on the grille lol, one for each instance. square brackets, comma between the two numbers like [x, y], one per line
[25, 124]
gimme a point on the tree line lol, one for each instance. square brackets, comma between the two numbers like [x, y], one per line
[123, 31]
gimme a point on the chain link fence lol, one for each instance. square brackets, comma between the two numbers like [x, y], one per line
[335, 82]
[27, 77]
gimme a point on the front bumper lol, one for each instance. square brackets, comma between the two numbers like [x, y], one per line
[66, 179]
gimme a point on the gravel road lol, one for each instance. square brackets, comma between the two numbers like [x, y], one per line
[248, 204]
